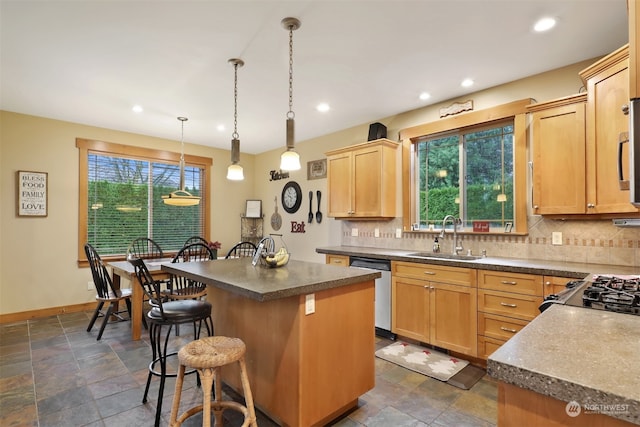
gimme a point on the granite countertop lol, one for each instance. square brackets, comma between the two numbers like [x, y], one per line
[576, 354]
[264, 284]
[575, 270]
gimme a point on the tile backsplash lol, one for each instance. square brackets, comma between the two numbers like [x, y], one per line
[595, 242]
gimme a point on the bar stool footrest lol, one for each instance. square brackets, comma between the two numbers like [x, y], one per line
[216, 406]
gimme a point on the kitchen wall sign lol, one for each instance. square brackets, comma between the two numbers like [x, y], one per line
[275, 175]
[32, 193]
[297, 227]
[317, 169]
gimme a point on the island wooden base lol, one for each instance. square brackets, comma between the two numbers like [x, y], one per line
[304, 370]
[519, 407]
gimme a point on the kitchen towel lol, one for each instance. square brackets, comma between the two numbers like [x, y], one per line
[423, 360]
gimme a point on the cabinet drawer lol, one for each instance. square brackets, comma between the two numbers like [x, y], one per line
[487, 345]
[340, 260]
[527, 284]
[511, 305]
[435, 273]
[499, 327]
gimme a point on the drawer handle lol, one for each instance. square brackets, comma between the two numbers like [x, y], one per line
[505, 304]
[508, 329]
[506, 282]
[547, 283]
[430, 273]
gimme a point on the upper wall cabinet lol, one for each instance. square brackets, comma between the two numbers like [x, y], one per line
[558, 147]
[576, 141]
[607, 83]
[361, 180]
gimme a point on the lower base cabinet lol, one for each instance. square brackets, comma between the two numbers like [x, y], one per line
[436, 305]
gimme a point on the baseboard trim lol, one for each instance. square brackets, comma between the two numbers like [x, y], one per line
[45, 312]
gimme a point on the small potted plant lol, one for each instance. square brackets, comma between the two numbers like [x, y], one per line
[214, 247]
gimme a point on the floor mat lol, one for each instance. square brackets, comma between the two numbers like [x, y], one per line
[467, 377]
[422, 360]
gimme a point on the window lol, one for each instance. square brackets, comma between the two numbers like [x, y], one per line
[121, 192]
[468, 174]
[472, 166]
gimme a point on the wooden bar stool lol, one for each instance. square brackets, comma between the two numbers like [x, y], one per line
[207, 356]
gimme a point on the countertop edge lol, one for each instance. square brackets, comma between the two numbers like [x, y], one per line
[562, 390]
[512, 265]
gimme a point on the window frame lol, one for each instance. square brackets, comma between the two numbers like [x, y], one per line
[87, 146]
[515, 110]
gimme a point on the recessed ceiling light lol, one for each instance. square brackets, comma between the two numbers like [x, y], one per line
[424, 96]
[220, 128]
[137, 109]
[323, 107]
[544, 24]
[467, 83]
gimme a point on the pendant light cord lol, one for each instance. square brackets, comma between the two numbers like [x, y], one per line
[290, 113]
[182, 120]
[235, 135]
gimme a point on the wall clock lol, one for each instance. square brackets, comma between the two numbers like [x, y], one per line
[291, 197]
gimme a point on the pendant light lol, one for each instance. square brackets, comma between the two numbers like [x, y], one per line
[181, 197]
[234, 171]
[290, 160]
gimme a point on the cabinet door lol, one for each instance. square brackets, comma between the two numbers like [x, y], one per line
[559, 160]
[453, 320]
[554, 284]
[366, 194]
[339, 185]
[607, 92]
[410, 308]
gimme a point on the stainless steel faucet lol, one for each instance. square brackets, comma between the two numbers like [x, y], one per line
[455, 221]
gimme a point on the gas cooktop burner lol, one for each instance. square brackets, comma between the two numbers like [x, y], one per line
[613, 293]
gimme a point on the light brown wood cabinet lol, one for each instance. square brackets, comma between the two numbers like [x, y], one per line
[339, 260]
[435, 304]
[507, 302]
[559, 156]
[555, 284]
[607, 83]
[361, 180]
[634, 48]
[575, 144]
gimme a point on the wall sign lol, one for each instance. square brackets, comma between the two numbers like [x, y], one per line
[32, 193]
[317, 169]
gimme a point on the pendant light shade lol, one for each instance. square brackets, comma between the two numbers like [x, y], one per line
[290, 160]
[181, 197]
[235, 171]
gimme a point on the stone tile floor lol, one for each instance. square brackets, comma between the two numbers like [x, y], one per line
[54, 373]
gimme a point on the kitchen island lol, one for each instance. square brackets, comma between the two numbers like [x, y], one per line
[309, 331]
[570, 366]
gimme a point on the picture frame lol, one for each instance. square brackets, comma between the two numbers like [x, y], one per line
[508, 227]
[32, 194]
[253, 209]
[317, 169]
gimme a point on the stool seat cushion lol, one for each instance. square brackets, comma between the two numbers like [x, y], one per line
[175, 311]
[211, 352]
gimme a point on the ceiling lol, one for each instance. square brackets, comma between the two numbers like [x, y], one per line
[90, 62]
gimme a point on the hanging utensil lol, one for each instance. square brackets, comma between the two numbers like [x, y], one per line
[318, 214]
[276, 219]
[310, 207]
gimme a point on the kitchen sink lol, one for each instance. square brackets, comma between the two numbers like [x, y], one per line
[444, 256]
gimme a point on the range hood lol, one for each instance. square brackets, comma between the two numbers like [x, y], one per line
[627, 222]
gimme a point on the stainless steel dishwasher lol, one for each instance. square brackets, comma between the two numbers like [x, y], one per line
[383, 292]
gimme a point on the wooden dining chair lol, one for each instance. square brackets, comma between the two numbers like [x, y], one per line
[242, 249]
[145, 248]
[196, 239]
[106, 293]
[181, 287]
